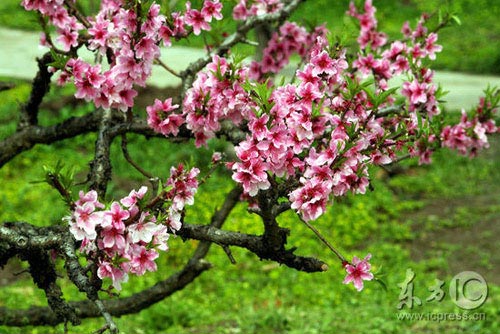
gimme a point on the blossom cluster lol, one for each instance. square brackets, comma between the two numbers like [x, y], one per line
[125, 237]
[216, 95]
[248, 8]
[124, 36]
[470, 135]
[288, 40]
[323, 130]
[401, 57]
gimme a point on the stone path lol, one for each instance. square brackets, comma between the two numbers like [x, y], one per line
[19, 49]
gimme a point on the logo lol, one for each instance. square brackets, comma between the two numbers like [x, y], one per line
[468, 290]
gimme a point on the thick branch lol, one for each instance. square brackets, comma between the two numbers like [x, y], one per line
[100, 167]
[43, 271]
[39, 316]
[28, 137]
[32, 244]
[40, 86]
[25, 139]
[254, 243]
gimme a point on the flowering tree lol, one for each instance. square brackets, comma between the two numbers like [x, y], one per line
[298, 144]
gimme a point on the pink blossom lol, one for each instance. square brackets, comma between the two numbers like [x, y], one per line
[133, 197]
[99, 32]
[430, 47]
[161, 237]
[196, 19]
[216, 157]
[310, 199]
[240, 11]
[174, 220]
[68, 39]
[117, 215]
[415, 91]
[85, 221]
[184, 186]
[142, 259]
[162, 120]
[113, 236]
[252, 176]
[212, 9]
[358, 271]
[91, 196]
[322, 64]
[142, 231]
[117, 275]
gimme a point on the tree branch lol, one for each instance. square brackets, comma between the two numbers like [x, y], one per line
[254, 243]
[28, 137]
[100, 167]
[40, 316]
[40, 87]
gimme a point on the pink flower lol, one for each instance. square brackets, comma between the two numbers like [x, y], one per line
[415, 91]
[194, 18]
[161, 119]
[240, 11]
[142, 232]
[322, 63]
[430, 47]
[142, 259]
[91, 197]
[117, 275]
[358, 271]
[68, 38]
[184, 186]
[251, 175]
[117, 215]
[212, 9]
[310, 199]
[113, 237]
[86, 221]
[174, 220]
[133, 197]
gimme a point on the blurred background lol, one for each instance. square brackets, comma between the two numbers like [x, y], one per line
[437, 220]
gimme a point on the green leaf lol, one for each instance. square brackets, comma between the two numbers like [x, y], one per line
[456, 19]
[382, 283]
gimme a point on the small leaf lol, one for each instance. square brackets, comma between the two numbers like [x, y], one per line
[382, 283]
[456, 19]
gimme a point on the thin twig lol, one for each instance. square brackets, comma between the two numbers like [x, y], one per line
[323, 239]
[209, 173]
[129, 159]
[227, 250]
[168, 68]
[249, 42]
[77, 14]
[56, 183]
